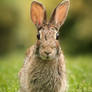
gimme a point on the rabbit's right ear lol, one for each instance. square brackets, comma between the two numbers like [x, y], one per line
[38, 14]
[60, 13]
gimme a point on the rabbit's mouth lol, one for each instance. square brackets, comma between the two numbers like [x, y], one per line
[47, 57]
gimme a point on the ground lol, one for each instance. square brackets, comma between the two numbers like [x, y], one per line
[79, 72]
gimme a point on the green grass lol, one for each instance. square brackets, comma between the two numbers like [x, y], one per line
[79, 72]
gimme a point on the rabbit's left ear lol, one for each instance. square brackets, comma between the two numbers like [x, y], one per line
[60, 13]
[38, 13]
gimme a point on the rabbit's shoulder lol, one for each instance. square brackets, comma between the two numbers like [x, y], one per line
[62, 72]
[61, 64]
[29, 54]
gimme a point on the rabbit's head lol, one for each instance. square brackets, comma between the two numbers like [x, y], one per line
[48, 32]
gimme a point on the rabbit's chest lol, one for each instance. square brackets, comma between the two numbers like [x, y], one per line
[44, 79]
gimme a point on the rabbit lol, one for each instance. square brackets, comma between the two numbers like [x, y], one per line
[44, 66]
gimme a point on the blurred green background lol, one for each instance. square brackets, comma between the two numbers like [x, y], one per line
[17, 33]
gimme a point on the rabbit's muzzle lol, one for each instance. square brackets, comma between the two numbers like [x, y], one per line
[47, 53]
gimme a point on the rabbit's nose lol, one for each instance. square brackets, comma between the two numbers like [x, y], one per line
[47, 53]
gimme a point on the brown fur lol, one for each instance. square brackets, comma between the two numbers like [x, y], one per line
[44, 67]
[48, 76]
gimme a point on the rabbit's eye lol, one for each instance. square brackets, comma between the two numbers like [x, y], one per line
[57, 36]
[38, 36]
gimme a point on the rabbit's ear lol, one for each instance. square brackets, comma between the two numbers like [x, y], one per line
[60, 13]
[38, 13]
